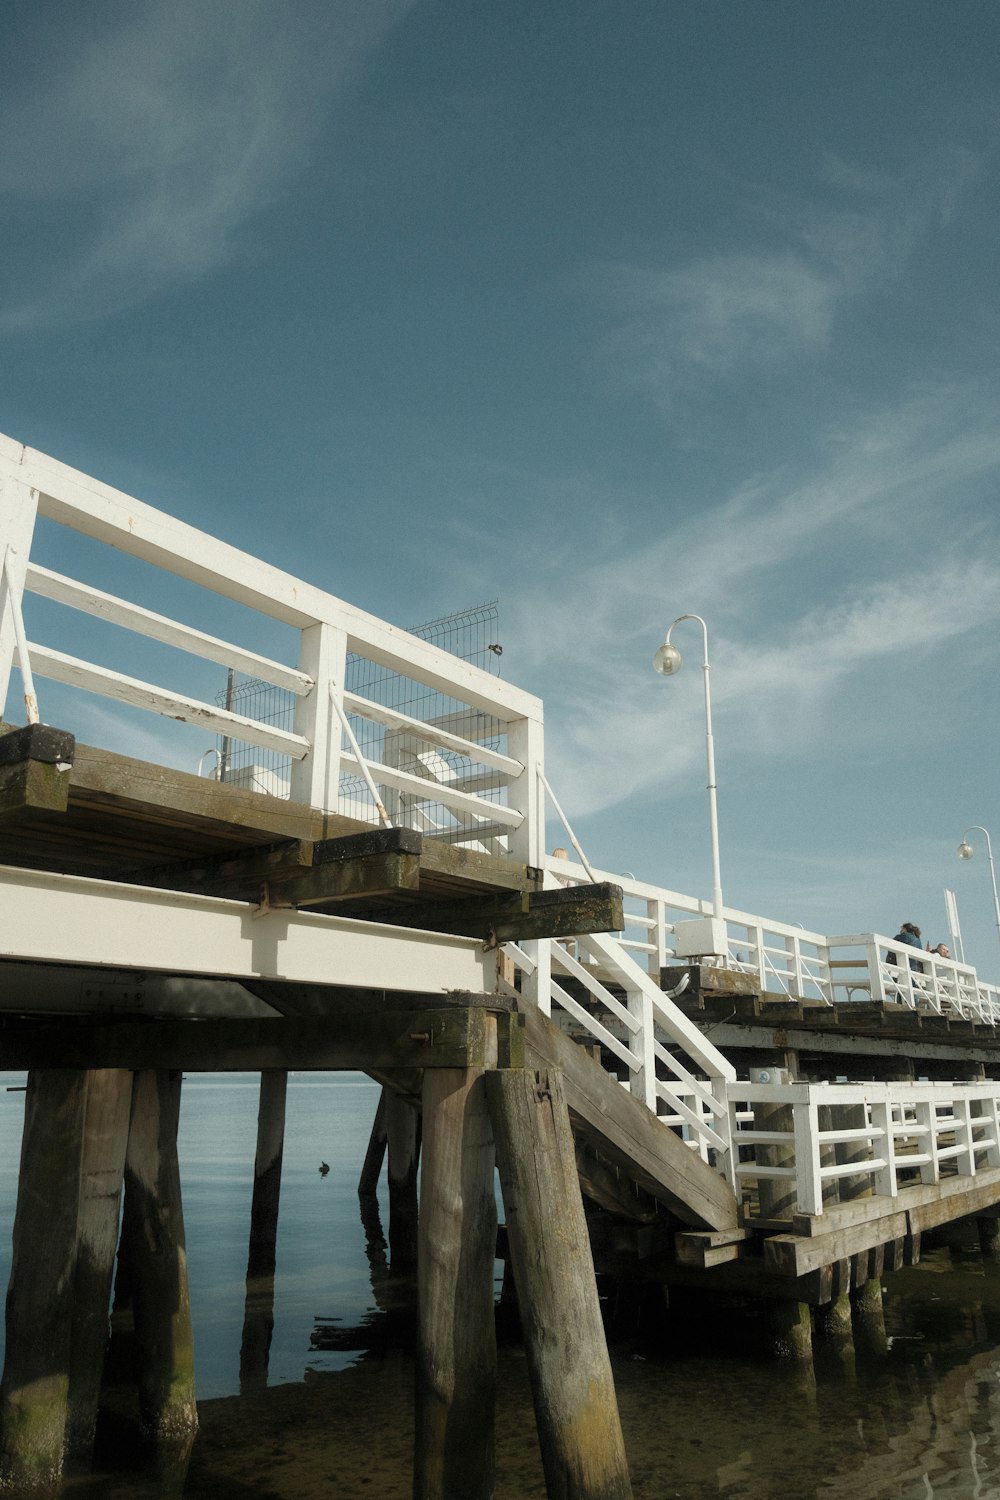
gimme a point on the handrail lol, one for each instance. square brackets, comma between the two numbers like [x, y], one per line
[467, 703]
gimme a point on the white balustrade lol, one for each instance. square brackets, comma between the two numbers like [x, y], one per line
[466, 772]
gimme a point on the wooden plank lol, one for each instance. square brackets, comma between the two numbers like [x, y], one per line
[625, 1132]
[365, 1040]
[795, 1255]
[710, 1247]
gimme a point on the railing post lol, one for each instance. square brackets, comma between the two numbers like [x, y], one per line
[538, 983]
[657, 913]
[965, 1161]
[808, 1183]
[926, 1117]
[525, 743]
[643, 1080]
[18, 508]
[316, 779]
[884, 1180]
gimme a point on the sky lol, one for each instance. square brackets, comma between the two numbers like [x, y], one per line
[611, 310]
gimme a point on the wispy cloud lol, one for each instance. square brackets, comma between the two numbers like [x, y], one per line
[729, 313]
[792, 627]
[148, 138]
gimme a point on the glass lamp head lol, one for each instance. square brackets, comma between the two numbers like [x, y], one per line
[965, 850]
[668, 660]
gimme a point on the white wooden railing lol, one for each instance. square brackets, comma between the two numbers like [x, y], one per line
[790, 961]
[428, 772]
[879, 1138]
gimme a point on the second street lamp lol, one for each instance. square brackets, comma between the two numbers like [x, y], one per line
[667, 662]
[966, 851]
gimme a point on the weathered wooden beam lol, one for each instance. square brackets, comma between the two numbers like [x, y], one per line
[522, 915]
[370, 1041]
[35, 767]
[576, 1409]
[231, 872]
[364, 876]
[454, 1451]
[300, 872]
[794, 1255]
[34, 1392]
[710, 1247]
[926, 1204]
[371, 841]
[108, 1106]
[626, 1134]
[154, 1250]
[402, 1124]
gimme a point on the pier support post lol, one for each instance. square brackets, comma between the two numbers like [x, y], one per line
[454, 1450]
[34, 1392]
[989, 1238]
[583, 1451]
[835, 1344]
[402, 1126]
[108, 1104]
[375, 1155]
[154, 1249]
[261, 1257]
[870, 1338]
[258, 1310]
[790, 1330]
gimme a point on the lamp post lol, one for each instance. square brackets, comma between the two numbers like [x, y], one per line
[966, 851]
[667, 662]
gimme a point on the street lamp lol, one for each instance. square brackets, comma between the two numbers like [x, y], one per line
[966, 851]
[667, 662]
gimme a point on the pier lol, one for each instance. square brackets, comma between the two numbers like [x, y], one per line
[737, 1105]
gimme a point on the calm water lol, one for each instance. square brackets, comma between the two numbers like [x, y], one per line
[703, 1419]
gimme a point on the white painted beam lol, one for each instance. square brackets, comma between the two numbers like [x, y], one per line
[70, 919]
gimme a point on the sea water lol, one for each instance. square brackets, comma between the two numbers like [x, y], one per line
[705, 1414]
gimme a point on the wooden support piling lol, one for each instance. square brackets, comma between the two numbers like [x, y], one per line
[790, 1330]
[870, 1338]
[258, 1308]
[108, 1104]
[989, 1238]
[402, 1124]
[576, 1409]
[153, 1245]
[261, 1258]
[375, 1155]
[835, 1341]
[34, 1391]
[454, 1449]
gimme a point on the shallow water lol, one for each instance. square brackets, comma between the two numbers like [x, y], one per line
[703, 1416]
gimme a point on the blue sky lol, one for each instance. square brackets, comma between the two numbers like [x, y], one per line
[614, 311]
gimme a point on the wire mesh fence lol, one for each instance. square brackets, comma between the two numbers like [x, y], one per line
[471, 635]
